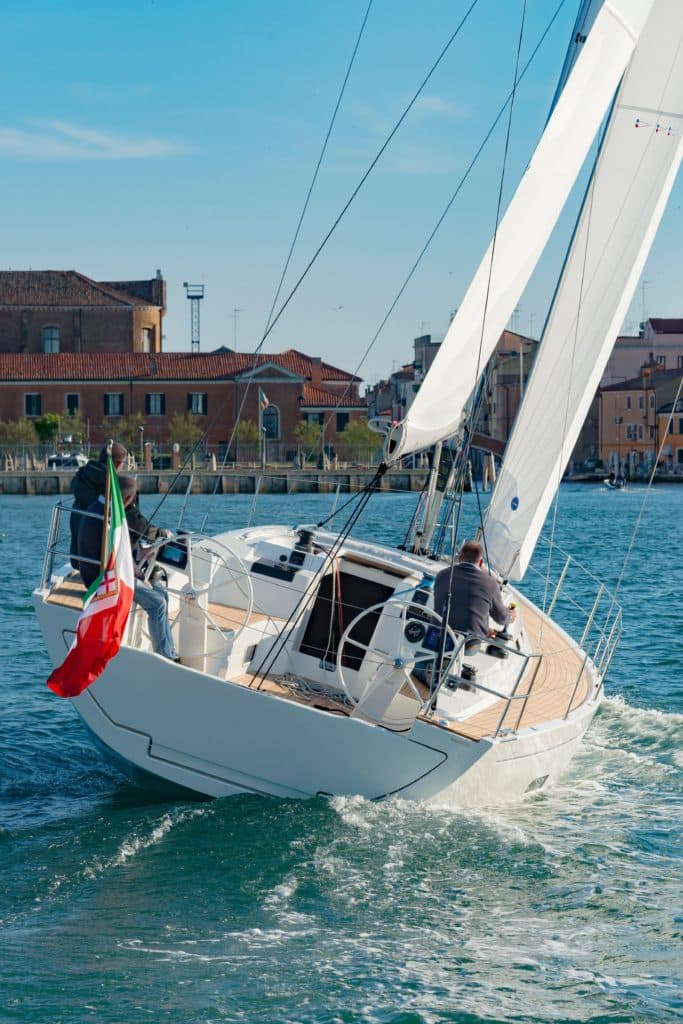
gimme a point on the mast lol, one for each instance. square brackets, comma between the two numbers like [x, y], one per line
[634, 173]
[437, 411]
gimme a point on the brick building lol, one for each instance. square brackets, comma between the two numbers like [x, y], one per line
[62, 311]
[214, 387]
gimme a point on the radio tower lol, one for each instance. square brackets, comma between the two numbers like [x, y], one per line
[195, 293]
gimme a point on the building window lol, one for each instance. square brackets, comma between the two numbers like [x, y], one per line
[73, 404]
[679, 362]
[680, 426]
[652, 401]
[198, 403]
[50, 339]
[32, 405]
[640, 431]
[679, 456]
[270, 421]
[314, 417]
[147, 339]
[342, 421]
[661, 360]
[113, 404]
[641, 401]
[155, 404]
[631, 433]
[628, 401]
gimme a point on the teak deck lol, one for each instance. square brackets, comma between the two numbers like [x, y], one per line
[547, 690]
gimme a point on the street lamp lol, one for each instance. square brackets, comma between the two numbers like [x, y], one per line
[142, 445]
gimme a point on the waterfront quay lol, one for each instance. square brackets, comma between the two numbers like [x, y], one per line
[234, 481]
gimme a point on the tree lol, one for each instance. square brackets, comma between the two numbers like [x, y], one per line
[125, 429]
[308, 433]
[18, 432]
[48, 426]
[72, 424]
[183, 430]
[358, 433]
[246, 432]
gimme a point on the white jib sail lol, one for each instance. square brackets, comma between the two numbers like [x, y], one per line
[633, 177]
[523, 232]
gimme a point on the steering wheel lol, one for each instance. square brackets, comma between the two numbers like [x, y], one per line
[406, 655]
[235, 571]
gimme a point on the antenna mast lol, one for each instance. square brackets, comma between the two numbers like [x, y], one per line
[195, 293]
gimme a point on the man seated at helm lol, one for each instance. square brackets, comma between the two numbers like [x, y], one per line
[474, 596]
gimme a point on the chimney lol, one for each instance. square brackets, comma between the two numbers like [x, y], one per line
[316, 371]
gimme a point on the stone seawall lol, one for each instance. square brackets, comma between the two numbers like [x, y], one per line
[233, 482]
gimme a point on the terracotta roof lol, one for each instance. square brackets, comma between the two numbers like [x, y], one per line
[318, 398]
[664, 325]
[84, 366]
[301, 363]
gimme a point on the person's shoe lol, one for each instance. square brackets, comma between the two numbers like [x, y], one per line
[178, 661]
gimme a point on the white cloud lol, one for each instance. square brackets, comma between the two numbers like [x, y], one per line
[59, 140]
[439, 105]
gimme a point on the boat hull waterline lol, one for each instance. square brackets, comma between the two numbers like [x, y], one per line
[218, 737]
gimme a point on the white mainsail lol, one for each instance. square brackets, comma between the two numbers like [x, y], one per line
[437, 410]
[634, 174]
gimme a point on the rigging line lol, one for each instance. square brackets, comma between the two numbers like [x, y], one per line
[354, 497]
[570, 378]
[317, 167]
[286, 266]
[369, 170]
[481, 519]
[500, 197]
[298, 229]
[647, 494]
[466, 175]
[272, 321]
[515, 84]
[331, 553]
[443, 215]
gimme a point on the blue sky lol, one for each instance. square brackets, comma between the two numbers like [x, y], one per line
[154, 134]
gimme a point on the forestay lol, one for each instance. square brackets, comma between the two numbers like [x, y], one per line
[437, 411]
[633, 176]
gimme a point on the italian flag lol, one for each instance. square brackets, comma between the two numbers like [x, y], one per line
[106, 607]
[262, 399]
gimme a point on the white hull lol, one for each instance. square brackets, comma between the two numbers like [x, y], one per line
[218, 737]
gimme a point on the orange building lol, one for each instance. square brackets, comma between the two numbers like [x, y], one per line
[670, 420]
[629, 422]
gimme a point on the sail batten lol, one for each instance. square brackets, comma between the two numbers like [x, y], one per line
[633, 177]
[437, 411]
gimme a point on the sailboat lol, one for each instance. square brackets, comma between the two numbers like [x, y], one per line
[315, 663]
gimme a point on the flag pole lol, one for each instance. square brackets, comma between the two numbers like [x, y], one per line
[107, 502]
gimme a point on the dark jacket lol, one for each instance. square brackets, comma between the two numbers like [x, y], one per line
[139, 527]
[87, 485]
[474, 596]
[89, 542]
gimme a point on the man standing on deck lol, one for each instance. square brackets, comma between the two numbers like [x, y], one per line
[151, 597]
[474, 595]
[88, 484]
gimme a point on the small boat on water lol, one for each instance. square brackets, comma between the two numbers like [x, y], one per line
[615, 483]
[313, 662]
